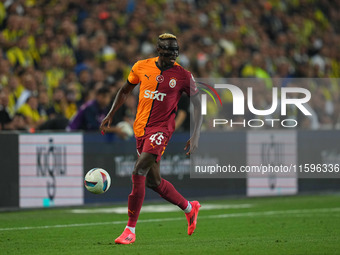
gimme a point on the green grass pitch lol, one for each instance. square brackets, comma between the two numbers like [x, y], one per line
[277, 225]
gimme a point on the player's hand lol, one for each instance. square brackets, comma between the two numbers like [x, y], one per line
[106, 123]
[192, 145]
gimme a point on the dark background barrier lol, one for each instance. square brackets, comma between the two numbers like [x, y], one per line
[9, 181]
[318, 147]
[118, 158]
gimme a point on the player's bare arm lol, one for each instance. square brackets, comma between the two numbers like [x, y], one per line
[192, 143]
[121, 97]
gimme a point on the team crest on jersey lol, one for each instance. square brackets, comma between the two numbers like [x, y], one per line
[172, 83]
[160, 78]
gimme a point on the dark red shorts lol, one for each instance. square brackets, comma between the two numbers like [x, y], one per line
[152, 143]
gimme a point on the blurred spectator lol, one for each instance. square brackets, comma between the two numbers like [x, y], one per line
[20, 55]
[71, 103]
[4, 72]
[30, 111]
[58, 106]
[43, 102]
[15, 89]
[5, 117]
[106, 52]
[30, 87]
[8, 121]
[18, 122]
[56, 120]
[93, 112]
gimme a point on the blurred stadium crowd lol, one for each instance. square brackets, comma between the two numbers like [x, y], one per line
[62, 61]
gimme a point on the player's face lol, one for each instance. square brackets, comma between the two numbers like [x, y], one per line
[168, 51]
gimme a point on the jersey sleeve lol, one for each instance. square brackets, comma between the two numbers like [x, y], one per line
[133, 77]
[190, 87]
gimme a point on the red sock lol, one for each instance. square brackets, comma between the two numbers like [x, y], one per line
[167, 191]
[136, 199]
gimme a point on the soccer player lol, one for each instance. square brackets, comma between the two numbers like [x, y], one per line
[162, 81]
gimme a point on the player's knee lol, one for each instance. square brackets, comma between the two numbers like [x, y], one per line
[140, 171]
[143, 164]
[141, 168]
[151, 183]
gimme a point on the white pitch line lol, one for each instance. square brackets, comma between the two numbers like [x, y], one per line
[274, 213]
[229, 215]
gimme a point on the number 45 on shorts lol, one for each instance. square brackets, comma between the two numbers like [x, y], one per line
[156, 139]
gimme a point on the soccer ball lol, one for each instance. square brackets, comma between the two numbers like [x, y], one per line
[97, 181]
